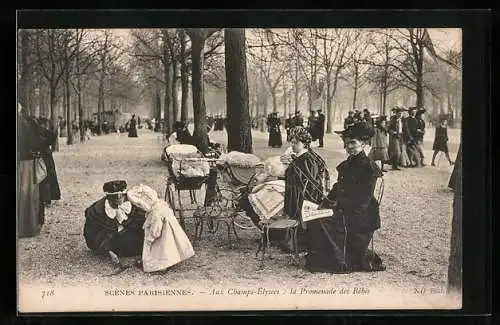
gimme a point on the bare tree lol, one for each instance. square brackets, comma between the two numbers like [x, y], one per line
[184, 75]
[52, 62]
[333, 61]
[382, 72]
[198, 37]
[410, 43]
[109, 53]
[358, 70]
[25, 70]
[271, 60]
[85, 69]
[239, 126]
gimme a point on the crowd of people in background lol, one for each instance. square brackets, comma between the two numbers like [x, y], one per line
[398, 140]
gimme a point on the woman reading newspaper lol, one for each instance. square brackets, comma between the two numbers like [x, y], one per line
[339, 244]
[303, 177]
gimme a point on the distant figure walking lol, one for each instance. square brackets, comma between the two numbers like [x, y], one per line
[441, 141]
[132, 127]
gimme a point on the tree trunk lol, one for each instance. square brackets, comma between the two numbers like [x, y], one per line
[285, 113]
[239, 126]
[275, 100]
[42, 99]
[199, 109]
[184, 78]
[296, 81]
[175, 102]
[455, 259]
[80, 114]
[100, 104]
[328, 106]
[266, 105]
[26, 74]
[53, 116]
[310, 98]
[355, 93]
[167, 105]
[420, 79]
[69, 124]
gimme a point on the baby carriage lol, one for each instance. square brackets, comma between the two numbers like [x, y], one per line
[188, 170]
[233, 180]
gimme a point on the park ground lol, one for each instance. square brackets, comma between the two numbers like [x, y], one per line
[413, 241]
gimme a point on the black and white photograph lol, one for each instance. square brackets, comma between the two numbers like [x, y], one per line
[225, 169]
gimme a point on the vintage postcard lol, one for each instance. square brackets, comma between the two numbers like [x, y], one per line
[166, 169]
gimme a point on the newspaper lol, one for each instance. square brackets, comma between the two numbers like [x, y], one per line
[310, 212]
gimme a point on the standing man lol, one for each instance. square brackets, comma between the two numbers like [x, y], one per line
[349, 120]
[420, 133]
[298, 119]
[312, 125]
[395, 137]
[411, 144]
[321, 127]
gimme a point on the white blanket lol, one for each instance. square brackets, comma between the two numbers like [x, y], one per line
[268, 199]
[240, 159]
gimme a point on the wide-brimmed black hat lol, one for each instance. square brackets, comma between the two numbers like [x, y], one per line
[115, 187]
[361, 131]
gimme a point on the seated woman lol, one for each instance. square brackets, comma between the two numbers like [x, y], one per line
[303, 177]
[114, 226]
[338, 244]
[303, 181]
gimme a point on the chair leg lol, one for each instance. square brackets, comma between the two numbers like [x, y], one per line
[295, 253]
[263, 245]
[181, 214]
[234, 230]
[228, 232]
[268, 243]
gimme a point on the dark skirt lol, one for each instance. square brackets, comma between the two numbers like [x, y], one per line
[126, 243]
[275, 139]
[379, 154]
[49, 187]
[334, 248]
[394, 147]
[30, 217]
[132, 133]
[440, 145]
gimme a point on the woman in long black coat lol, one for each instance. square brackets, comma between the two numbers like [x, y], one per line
[273, 125]
[30, 210]
[49, 187]
[132, 127]
[339, 244]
